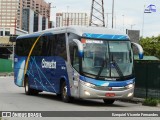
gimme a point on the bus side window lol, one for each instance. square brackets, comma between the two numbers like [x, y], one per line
[44, 46]
[75, 58]
[72, 44]
[19, 48]
[38, 48]
[23, 46]
[60, 49]
[47, 45]
[51, 45]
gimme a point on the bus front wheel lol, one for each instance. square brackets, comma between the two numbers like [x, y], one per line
[28, 90]
[108, 102]
[64, 94]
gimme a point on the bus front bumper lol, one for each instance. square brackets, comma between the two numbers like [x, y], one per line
[113, 93]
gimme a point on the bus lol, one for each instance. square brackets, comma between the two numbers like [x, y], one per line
[76, 62]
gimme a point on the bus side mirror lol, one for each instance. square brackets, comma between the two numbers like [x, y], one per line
[80, 47]
[140, 49]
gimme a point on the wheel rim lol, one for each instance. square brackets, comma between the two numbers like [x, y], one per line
[65, 92]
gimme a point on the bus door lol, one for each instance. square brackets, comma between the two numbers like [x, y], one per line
[76, 66]
[75, 55]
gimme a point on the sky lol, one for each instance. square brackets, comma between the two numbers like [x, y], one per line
[129, 12]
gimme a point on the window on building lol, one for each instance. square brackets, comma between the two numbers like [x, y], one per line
[1, 33]
[7, 33]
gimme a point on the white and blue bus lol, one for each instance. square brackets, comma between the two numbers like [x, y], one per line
[76, 62]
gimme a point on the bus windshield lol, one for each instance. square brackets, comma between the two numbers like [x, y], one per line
[107, 59]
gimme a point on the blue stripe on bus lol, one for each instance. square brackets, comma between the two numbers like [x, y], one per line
[107, 83]
[106, 36]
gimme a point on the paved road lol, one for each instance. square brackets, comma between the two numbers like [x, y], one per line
[12, 98]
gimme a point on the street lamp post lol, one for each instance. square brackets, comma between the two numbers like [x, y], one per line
[132, 26]
[123, 23]
[112, 12]
[143, 22]
[107, 18]
[115, 21]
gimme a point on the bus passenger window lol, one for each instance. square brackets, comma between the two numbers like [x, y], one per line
[75, 59]
[38, 48]
[60, 49]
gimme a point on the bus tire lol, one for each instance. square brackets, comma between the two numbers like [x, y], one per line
[64, 96]
[108, 101]
[58, 95]
[28, 90]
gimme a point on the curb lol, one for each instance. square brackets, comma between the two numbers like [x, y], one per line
[6, 74]
[134, 100]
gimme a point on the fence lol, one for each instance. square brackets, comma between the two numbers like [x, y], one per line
[5, 66]
[147, 79]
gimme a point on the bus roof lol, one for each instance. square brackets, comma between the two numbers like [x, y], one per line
[81, 31]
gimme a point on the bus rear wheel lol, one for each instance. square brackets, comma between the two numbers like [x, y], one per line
[28, 90]
[108, 102]
[64, 94]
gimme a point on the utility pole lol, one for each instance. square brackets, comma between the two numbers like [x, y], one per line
[97, 14]
[112, 13]
[67, 16]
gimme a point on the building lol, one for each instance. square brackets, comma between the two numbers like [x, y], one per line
[28, 15]
[9, 12]
[65, 19]
[19, 17]
[35, 12]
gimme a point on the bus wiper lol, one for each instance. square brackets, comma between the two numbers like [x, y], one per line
[101, 69]
[117, 68]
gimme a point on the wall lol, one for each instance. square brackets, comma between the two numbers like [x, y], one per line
[5, 65]
[147, 79]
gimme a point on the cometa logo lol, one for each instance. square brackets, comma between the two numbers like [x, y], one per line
[48, 64]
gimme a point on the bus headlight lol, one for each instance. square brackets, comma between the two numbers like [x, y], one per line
[87, 84]
[130, 86]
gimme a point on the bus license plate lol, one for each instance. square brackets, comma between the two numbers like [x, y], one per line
[110, 94]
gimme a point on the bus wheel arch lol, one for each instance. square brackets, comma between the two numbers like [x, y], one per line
[64, 92]
[28, 90]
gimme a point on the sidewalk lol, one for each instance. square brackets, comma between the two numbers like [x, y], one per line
[137, 101]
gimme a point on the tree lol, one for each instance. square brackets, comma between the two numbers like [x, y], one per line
[151, 46]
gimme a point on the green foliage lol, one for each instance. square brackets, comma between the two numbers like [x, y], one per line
[150, 102]
[151, 46]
